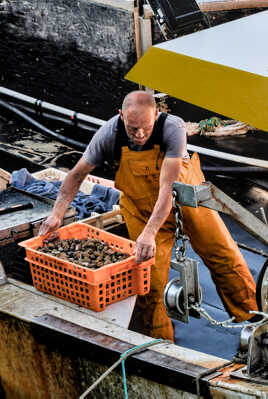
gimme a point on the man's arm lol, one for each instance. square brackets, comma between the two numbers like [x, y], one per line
[66, 194]
[145, 244]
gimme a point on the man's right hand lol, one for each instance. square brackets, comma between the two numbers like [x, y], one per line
[52, 223]
[67, 192]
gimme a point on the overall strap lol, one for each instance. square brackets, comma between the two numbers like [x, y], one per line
[122, 139]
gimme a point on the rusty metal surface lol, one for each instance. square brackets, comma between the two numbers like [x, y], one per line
[242, 374]
[226, 386]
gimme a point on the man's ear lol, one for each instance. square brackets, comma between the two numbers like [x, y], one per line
[156, 113]
[121, 114]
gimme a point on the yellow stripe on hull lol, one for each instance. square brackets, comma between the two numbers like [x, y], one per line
[223, 69]
[228, 91]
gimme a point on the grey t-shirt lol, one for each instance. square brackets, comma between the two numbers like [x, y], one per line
[101, 147]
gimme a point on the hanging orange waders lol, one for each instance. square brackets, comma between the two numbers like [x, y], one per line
[138, 180]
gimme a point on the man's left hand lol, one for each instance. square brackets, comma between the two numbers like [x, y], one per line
[145, 247]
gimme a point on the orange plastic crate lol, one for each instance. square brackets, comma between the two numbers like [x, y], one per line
[93, 289]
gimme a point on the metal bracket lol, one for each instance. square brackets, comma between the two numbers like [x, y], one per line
[209, 196]
[183, 290]
[257, 364]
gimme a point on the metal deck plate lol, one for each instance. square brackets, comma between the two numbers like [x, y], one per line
[242, 374]
[13, 196]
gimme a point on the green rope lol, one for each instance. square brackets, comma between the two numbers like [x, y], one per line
[136, 349]
[209, 125]
[122, 359]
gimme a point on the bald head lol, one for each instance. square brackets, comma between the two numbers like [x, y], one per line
[139, 114]
[137, 99]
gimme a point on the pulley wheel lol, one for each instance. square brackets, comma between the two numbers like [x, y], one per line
[174, 296]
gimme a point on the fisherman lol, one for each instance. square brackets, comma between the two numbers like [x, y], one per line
[147, 149]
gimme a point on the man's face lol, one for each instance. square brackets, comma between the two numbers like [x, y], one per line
[139, 123]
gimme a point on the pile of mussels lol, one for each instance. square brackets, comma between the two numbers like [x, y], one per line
[85, 252]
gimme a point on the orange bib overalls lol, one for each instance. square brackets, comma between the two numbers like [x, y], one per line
[138, 180]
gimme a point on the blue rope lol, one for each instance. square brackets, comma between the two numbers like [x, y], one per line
[124, 379]
[127, 353]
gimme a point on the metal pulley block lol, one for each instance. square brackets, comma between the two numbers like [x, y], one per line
[209, 196]
[183, 290]
[254, 338]
[257, 359]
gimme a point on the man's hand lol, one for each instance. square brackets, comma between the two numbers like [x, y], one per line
[145, 247]
[52, 223]
[66, 194]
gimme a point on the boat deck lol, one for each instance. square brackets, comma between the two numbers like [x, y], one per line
[243, 188]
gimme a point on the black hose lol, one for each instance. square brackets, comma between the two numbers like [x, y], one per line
[81, 146]
[45, 130]
[234, 169]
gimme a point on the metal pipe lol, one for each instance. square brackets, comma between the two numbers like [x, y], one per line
[254, 250]
[57, 118]
[40, 105]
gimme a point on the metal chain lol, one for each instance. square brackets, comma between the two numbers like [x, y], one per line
[225, 323]
[180, 250]
[180, 254]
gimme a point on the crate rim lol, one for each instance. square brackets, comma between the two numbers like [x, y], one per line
[24, 243]
[79, 267]
[125, 263]
[129, 262]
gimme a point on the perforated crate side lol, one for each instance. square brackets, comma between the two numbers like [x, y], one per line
[81, 231]
[70, 289]
[93, 289]
[82, 273]
[92, 296]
